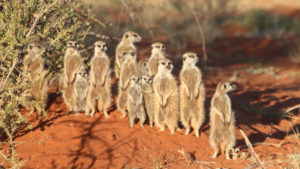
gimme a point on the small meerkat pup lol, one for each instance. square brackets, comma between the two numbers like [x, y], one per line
[192, 94]
[157, 53]
[126, 43]
[135, 104]
[99, 94]
[166, 97]
[128, 69]
[222, 120]
[72, 62]
[142, 67]
[75, 95]
[148, 94]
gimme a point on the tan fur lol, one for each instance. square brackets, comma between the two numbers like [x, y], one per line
[222, 120]
[72, 62]
[35, 73]
[142, 67]
[75, 95]
[127, 43]
[134, 103]
[148, 94]
[157, 53]
[128, 69]
[99, 94]
[192, 94]
[166, 97]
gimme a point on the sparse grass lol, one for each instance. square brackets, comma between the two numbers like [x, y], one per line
[264, 23]
[262, 70]
[294, 54]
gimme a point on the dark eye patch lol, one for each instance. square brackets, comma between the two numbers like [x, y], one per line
[135, 35]
[30, 46]
[225, 87]
[98, 46]
[163, 63]
[191, 56]
[157, 47]
[126, 36]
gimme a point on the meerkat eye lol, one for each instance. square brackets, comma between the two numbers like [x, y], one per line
[191, 56]
[76, 44]
[225, 87]
[126, 36]
[98, 46]
[163, 63]
[30, 46]
[132, 53]
[135, 35]
[169, 63]
[157, 47]
[39, 47]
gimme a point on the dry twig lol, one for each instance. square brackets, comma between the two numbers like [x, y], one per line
[252, 150]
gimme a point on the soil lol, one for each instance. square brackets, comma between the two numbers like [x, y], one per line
[67, 141]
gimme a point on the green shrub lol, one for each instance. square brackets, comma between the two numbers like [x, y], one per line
[53, 22]
[260, 22]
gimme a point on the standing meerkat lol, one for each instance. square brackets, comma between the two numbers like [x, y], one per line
[157, 53]
[99, 94]
[35, 73]
[33, 62]
[134, 103]
[148, 94]
[75, 95]
[166, 97]
[192, 94]
[222, 120]
[128, 69]
[126, 43]
[72, 62]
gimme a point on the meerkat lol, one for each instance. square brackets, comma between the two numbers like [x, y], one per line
[142, 67]
[222, 120]
[134, 103]
[157, 53]
[166, 97]
[148, 93]
[128, 69]
[99, 94]
[75, 95]
[35, 73]
[192, 94]
[126, 43]
[33, 62]
[72, 62]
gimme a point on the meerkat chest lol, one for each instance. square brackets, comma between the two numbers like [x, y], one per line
[81, 86]
[164, 83]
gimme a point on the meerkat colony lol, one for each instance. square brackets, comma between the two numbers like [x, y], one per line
[147, 89]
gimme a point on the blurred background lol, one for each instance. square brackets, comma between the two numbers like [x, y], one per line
[180, 25]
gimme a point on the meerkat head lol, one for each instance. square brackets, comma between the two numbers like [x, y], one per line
[128, 54]
[82, 73]
[190, 58]
[144, 65]
[131, 37]
[135, 79]
[147, 79]
[35, 48]
[100, 46]
[72, 44]
[165, 65]
[225, 87]
[158, 47]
